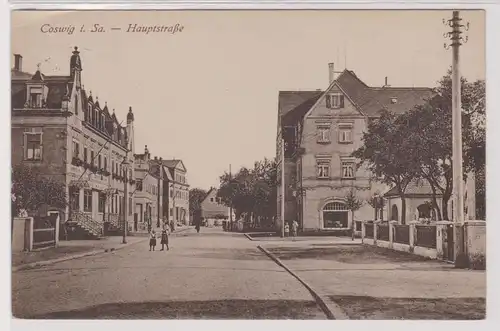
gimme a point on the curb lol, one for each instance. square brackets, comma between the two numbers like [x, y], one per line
[248, 237]
[73, 257]
[332, 310]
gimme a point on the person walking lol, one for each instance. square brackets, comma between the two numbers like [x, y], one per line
[198, 226]
[295, 228]
[164, 239]
[152, 240]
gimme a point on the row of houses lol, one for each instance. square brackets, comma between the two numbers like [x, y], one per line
[320, 130]
[71, 136]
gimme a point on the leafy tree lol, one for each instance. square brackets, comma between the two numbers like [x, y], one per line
[385, 153]
[251, 192]
[196, 196]
[31, 190]
[352, 203]
[429, 136]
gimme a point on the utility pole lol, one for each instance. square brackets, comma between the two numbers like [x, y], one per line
[231, 202]
[282, 187]
[458, 185]
[159, 192]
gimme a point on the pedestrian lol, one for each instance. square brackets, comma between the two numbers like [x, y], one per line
[152, 240]
[295, 228]
[164, 239]
[287, 229]
[198, 227]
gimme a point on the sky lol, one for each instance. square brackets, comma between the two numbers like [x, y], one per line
[208, 95]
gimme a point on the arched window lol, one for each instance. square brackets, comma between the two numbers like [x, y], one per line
[335, 206]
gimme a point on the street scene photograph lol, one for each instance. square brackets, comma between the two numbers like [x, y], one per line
[248, 165]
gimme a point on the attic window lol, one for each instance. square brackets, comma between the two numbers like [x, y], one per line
[335, 100]
[394, 100]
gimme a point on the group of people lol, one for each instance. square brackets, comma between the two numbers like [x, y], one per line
[163, 238]
[294, 227]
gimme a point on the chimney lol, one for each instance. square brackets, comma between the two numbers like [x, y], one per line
[18, 62]
[386, 82]
[331, 72]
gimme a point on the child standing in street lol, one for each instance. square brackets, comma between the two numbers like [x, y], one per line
[152, 240]
[295, 228]
[164, 239]
[287, 229]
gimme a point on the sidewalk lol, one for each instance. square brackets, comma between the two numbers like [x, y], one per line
[69, 250]
[367, 282]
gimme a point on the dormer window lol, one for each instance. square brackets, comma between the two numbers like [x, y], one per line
[103, 121]
[394, 100]
[335, 100]
[36, 100]
[76, 104]
[89, 114]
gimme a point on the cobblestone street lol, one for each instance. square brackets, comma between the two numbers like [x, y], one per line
[208, 275]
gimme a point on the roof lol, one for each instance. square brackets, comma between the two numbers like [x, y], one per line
[417, 187]
[171, 163]
[57, 88]
[369, 100]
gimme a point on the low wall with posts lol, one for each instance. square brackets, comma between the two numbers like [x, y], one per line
[30, 233]
[435, 241]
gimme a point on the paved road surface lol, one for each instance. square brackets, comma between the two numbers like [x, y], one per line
[208, 275]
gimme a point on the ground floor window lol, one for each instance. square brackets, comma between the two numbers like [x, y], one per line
[335, 215]
[75, 199]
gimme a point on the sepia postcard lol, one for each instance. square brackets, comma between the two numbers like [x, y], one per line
[248, 164]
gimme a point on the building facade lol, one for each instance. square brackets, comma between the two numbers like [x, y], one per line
[148, 204]
[320, 130]
[65, 133]
[176, 192]
[213, 211]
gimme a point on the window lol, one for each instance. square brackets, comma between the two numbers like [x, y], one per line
[36, 100]
[335, 100]
[76, 104]
[105, 163]
[323, 169]
[85, 153]
[102, 202]
[103, 121]
[99, 161]
[96, 117]
[92, 155]
[87, 200]
[33, 149]
[130, 206]
[347, 169]
[211, 199]
[323, 134]
[76, 149]
[138, 185]
[345, 135]
[171, 212]
[75, 199]
[89, 113]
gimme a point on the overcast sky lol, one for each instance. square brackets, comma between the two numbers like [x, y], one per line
[208, 95]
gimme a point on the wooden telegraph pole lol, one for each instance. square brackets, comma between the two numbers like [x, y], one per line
[458, 183]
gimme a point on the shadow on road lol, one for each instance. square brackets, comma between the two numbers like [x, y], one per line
[366, 307]
[219, 309]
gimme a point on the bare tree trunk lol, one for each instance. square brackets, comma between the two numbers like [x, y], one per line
[403, 209]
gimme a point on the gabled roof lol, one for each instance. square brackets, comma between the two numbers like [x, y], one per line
[368, 100]
[416, 187]
[172, 164]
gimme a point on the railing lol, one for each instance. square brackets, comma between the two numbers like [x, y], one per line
[85, 221]
[426, 236]
[369, 230]
[383, 232]
[401, 234]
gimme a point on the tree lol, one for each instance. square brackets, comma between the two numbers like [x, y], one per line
[378, 203]
[429, 137]
[251, 192]
[352, 203]
[385, 153]
[196, 196]
[31, 190]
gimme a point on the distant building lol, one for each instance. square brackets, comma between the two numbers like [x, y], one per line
[148, 202]
[176, 192]
[321, 130]
[64, 131]
[213, 211]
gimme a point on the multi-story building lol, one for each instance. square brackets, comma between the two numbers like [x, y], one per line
[67, 134]
[320, 130]
[148, 202]
[176, 192]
